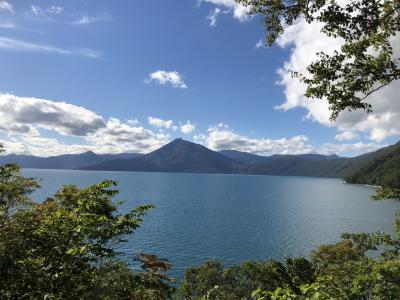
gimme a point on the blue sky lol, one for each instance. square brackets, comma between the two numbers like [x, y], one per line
[144, 69]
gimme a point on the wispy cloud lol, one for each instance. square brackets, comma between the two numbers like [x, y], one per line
[213, 16]
[20, 45]
[5, 6]
[45, 12]
[86, 19]
[238, 11]
[7, 25]
[259, 44]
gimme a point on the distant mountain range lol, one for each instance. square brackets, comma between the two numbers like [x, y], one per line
[380, 167]
[67, 161]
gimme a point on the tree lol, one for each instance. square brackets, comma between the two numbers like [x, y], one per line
[365, 62]
[212, 281]
[154, 283]
[65, 247]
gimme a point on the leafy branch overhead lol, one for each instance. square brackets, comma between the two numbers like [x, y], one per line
[366, 60]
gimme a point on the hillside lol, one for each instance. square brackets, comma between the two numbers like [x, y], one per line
[67, 161]
[176, 156]
[244, 157]
[301, 165]
[380, 168]
[377, 168]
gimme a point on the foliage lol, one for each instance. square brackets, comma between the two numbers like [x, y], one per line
[380, 168]
[365, 62]
[212, 281]
[65, 247]
[154, 283]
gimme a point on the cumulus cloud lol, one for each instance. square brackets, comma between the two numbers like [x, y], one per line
[238, 11]
[160, 123]
[20, 45]
[349, 149]
[122, 137]
[6, 6]
[346, 136]
[22, 119]
[187, 128]
[24, 123]
[305, 40]
[61, 117]
[221, 137]
[41, 146]
[172, 78]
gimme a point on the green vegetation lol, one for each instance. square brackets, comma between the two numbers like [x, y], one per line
[382, 168]
[65, 247]
[338, 271]
[365, 62]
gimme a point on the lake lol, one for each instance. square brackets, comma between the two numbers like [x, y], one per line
[233, 217]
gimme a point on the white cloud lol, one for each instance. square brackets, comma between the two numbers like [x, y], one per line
[305, 40]
[133, 122]
[56, 10]
[172, 78]
[239, 11]
[87, 19]
[187, 128]
[37, 11]
[20, 45]
[213, 16]
[221, 137]
[160, 123]
[5, 6]
[7, 25]
[259, 44]
[22, 119]
[349, 149]
[20, 114]
[346, 136]
[25, 122]
[122, 137]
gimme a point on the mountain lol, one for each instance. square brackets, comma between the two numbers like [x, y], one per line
[244, 157]
[184, 156]
[67, 161]
[300, 165]
[378, 168]
[381, 167]
[176, 156]
[303, 165]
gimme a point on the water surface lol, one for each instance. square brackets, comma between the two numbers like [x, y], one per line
[234, 217]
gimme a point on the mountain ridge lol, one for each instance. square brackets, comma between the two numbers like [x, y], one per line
[376, 168]
[65, 161]
[176, 156]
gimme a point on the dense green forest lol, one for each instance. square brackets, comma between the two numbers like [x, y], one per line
[382, 168]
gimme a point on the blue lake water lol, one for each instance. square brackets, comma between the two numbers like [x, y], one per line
[233, 217]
